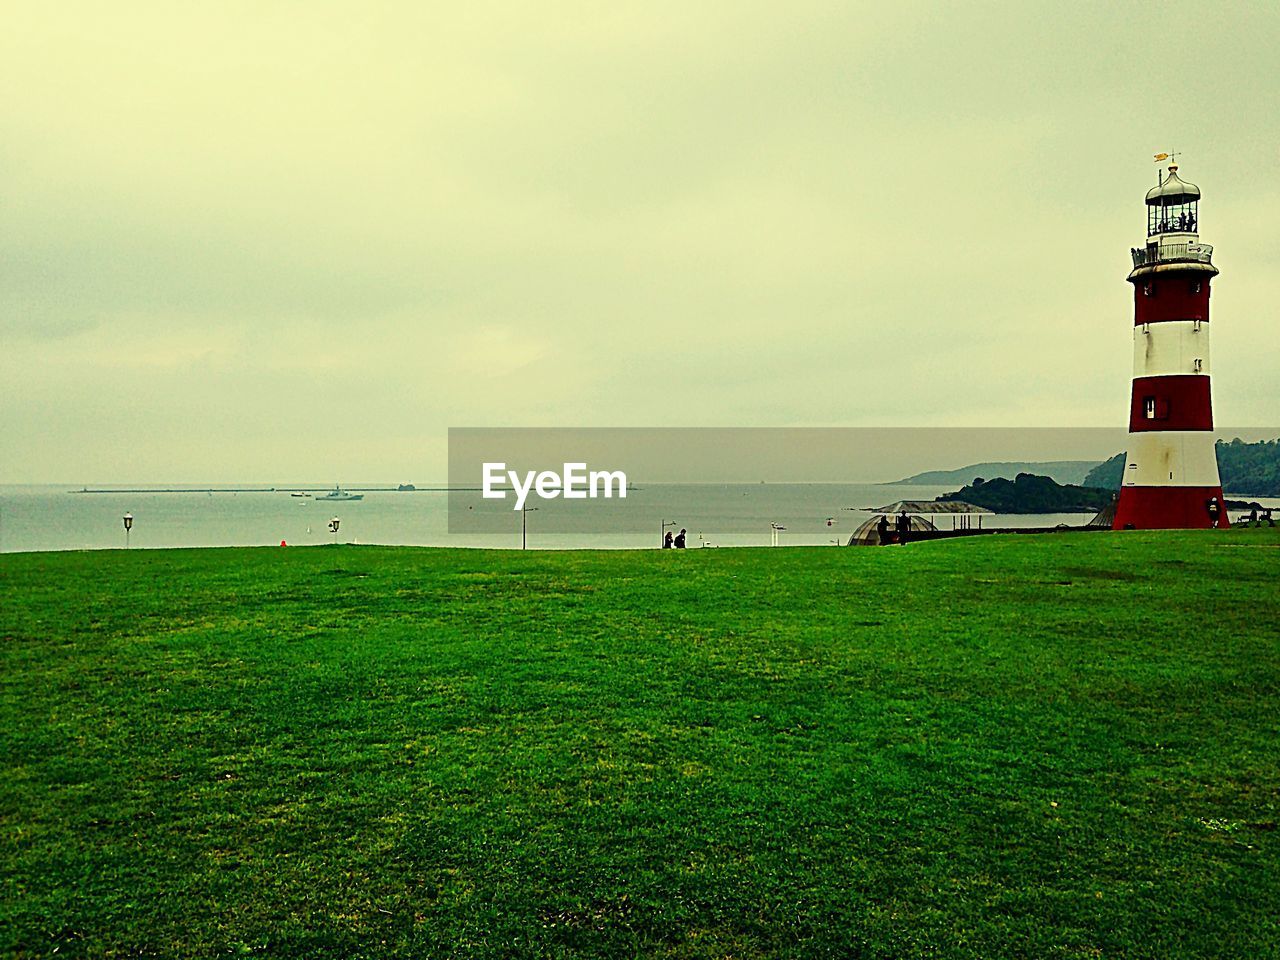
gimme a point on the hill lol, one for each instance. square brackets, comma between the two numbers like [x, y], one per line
[998, 746]
[1063, 471]
[1031, 494]
[1108, 474]
[1246, 469]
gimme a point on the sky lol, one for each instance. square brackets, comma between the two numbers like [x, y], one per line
[300, 241]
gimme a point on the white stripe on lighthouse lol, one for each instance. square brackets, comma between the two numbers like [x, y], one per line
[1170, 348]
[1171, 458]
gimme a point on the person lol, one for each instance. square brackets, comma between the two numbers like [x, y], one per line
[1253, 516]
[1266, 515]
[680, 538]
[1213, 508]
[904, 526]
[666, 541]
[882, 528]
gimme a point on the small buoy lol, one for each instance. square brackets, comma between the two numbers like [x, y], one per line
[283, 544]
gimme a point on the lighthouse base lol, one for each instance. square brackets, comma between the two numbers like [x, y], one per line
[1168, 508]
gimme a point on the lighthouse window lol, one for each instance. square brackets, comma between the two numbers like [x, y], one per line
[1149, 290]
[1195, 287]
[1155, 408]
[1173, 218]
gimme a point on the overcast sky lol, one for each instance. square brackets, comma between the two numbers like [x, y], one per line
[287, 241]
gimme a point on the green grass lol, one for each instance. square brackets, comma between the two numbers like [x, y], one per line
[1041, 747]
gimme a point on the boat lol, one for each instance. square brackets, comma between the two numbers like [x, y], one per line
[337, 493]
[300, 493]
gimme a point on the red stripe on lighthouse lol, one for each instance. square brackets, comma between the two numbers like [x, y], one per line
[1170, 403]
[1175, 297]
[1168, 508]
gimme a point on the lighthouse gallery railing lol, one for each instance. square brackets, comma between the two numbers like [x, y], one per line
[1196, 252]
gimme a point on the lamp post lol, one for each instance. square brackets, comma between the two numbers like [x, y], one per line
[524, 527]
[775, 528]
[333, 528]
[128, 525]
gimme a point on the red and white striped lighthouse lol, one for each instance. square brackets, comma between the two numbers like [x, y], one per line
[1171, 470]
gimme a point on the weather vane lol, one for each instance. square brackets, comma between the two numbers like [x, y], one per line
[1172, 157]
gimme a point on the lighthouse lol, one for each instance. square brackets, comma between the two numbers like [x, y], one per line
[1171, 469]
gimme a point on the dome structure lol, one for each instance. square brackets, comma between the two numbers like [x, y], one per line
[1172, 206]
[868, 536]
[1172, 191]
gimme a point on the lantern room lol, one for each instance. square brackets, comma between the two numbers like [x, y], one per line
[1172, 207]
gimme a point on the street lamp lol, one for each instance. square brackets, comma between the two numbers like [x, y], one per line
[128, 525]
[775, 528]
[524, 527]
[333, 528]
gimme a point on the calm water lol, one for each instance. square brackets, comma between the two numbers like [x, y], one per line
[54, 518]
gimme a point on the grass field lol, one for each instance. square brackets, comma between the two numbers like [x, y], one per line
[1021, 746]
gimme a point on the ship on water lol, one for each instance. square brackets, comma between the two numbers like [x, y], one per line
[337, 493]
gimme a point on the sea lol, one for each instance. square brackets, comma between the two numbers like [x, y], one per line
[39, 518]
